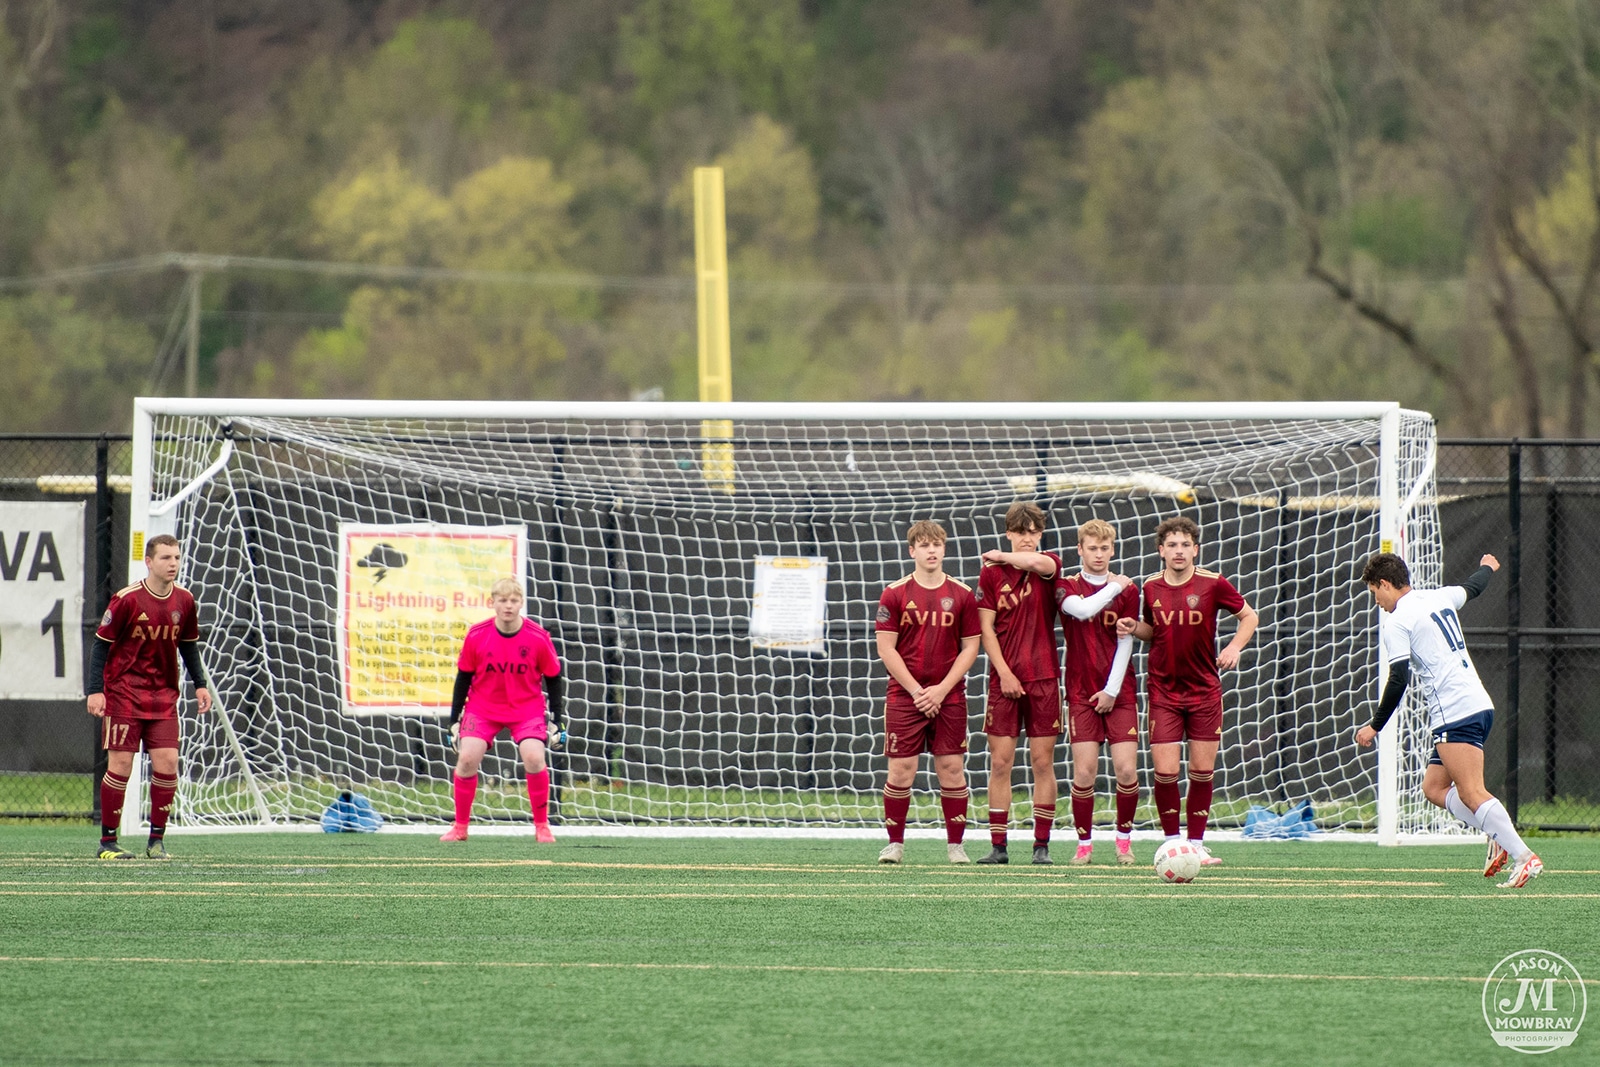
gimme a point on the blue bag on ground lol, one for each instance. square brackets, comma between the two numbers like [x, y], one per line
[1262, 823]
[351, 813]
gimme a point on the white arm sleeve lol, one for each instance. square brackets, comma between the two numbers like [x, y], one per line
[1458, 596]
[1119, 664]
[1080, 607]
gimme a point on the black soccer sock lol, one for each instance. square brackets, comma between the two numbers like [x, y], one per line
[157, 833]
[108, 835]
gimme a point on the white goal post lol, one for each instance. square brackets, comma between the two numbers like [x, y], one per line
[335, 549]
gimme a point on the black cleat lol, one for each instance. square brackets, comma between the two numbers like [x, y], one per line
[1041, 856]
[996, 855]
[156, 850]
[112, 851]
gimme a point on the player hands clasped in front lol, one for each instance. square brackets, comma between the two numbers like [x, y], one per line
[507, 665]
[1017, 612]
[927, 634]
[1424, 642]
[1102, 705]
[1184, 686]
[132, 687]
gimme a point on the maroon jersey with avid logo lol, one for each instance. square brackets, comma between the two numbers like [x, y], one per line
[1024, 620]
[1183, 649]
[931, 624]
[142, 664]
[1092, 643]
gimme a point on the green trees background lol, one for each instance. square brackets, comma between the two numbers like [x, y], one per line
[928, 199]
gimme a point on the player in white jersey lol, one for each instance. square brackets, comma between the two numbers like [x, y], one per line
[1423, 641]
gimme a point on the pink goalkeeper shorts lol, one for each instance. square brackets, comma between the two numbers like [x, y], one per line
[474, 725]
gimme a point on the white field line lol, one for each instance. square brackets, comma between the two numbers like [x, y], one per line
[266, 862]
[763, 968]
[779, 833]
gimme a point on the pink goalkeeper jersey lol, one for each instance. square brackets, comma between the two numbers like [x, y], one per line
[508, 671]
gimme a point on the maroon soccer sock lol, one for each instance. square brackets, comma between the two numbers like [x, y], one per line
[998, 821]
[1083, 812]
[1166, 793]
[1044, 818]
[162, 790]
[1198, 803]
[539, 795]
[896, 807]
[1127, 804]
[113, 791]
[954, 804]
[465, 790]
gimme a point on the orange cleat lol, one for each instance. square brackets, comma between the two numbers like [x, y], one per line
[1524, 872]
[1495, 860]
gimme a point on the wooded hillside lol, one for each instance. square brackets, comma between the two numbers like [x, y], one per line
[928, 199]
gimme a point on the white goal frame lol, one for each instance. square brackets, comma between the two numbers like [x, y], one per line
[1406, 487]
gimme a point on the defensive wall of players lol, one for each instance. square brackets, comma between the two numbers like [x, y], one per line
[1536, 503]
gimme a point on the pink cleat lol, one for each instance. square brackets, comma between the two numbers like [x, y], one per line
[457, 832]
[1206, 858]
[1524, 872]
[1124, 852]
[543, 834]
[1080, 858]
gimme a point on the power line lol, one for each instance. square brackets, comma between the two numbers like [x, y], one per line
[192, 262]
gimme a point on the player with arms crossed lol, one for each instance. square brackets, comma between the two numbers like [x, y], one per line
[1100, 707]
[1017, 613]
[1183, 686]
[132, 688]
[927, 633]
[1423, 641]
[499, 673]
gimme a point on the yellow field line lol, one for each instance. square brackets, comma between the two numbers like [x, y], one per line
[769, 968]
[1021, 889]
[1157, 893]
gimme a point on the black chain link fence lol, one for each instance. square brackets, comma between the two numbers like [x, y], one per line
[1535, 637]
[49, 752]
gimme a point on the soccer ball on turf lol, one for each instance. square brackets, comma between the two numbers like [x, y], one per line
[1177, 861]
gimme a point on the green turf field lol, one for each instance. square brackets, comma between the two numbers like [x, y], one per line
[302, 948]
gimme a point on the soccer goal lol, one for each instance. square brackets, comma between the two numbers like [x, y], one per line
[710, 573]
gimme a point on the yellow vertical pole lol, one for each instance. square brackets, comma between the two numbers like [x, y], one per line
[711, 292]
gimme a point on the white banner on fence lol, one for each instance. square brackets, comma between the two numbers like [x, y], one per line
[789, 607]
[41, 601]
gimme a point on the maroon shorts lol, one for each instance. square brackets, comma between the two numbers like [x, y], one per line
[1037, 710]
[119, 734]
[1170, 725]
[1119, 724]
[908, 732]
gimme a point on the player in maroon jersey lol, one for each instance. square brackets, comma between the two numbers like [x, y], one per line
[1102, 703]
[507, 665]
[132, 687]
[927, 632]
[1183, 686]
[1016, 608]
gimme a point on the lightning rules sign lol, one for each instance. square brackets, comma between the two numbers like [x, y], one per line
[407, 595]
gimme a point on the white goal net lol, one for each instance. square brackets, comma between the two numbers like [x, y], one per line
[338, 550]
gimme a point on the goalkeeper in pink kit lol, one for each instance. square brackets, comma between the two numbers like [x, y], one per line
[507, 665]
